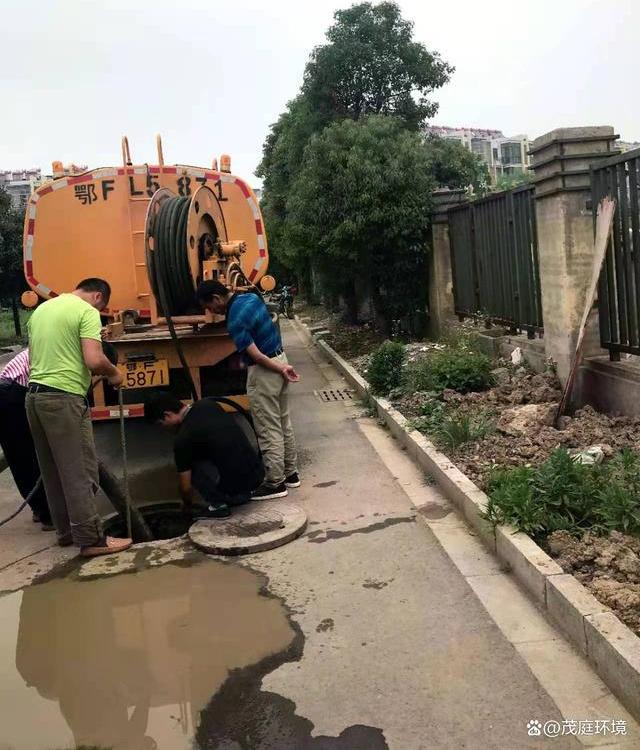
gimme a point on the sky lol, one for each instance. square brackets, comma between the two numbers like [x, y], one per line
[211, 76]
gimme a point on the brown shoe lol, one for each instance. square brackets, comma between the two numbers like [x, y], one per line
[107, 546]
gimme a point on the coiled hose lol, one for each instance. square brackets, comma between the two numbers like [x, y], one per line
[170, 272]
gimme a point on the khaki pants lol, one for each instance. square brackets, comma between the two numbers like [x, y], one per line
[269, 396]
[63, 437]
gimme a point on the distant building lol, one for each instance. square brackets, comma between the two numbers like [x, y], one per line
[20, 183]
[502, 155]
[627, 145]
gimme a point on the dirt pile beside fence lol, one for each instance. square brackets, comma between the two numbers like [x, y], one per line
[521, 409]
[608, 566]
[511, 425]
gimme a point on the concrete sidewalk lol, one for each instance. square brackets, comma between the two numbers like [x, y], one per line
[410, 637]
[395, 636]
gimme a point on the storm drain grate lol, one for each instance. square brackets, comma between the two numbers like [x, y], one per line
[334, 394]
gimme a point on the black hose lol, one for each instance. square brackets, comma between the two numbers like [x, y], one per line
[234, 405]
[171, 260]
[169, 271]
[24, 504]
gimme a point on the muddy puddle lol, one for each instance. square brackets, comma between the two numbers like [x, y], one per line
[128, 662]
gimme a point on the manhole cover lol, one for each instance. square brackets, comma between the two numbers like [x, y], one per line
[334, 394]
[254, 527]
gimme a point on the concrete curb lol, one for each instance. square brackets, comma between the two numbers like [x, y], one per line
[611, 647]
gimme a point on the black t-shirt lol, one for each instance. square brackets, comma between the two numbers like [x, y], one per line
[208, 433]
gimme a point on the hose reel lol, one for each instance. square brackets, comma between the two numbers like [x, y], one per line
[180, 233]
[186, 240]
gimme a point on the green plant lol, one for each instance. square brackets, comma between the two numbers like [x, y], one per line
[620, 506]
[450, 427]
[385, 368]
[461, 370]
[433, 414]
[461, 338]
[562, 494]
[7, 327]
[368, 405]
[511, 501]
[459, 429]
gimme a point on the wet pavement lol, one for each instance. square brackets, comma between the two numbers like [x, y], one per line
[129, 661]
[361, 635]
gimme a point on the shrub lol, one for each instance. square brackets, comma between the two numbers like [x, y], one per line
[460, 370]
[564, 495]
[385, 368]
[460, 429]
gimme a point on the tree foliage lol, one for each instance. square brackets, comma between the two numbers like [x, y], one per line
[372, 65]
[11, 274]
[281, 162]
[511, 181]
[347, 171]
[360, 210]
[454, 166]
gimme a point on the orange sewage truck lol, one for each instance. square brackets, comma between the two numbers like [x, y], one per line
[153, 231]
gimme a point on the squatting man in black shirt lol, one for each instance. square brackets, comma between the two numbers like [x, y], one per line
[212, 453]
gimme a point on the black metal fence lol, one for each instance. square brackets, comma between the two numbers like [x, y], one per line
[494, 257]
[619, 291]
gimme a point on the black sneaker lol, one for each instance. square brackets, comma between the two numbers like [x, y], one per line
[292, 481]
[267, 492]
[212, 511]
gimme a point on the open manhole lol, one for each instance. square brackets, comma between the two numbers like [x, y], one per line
[334, 394]
[254, 527]
[165, 521]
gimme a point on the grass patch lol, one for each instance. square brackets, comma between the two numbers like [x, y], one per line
[562, 495]
[451, 427]
[7, 329]
[459, 429]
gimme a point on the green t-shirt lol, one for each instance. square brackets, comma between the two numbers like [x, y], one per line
[55, 330]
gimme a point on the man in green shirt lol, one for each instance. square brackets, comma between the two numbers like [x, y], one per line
[65, 348]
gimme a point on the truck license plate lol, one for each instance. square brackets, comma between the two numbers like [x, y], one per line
[145, 374]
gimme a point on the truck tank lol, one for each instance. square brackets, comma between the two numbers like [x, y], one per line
[153, 231]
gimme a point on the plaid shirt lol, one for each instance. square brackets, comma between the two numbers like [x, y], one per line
[249, 322]
[17, 369]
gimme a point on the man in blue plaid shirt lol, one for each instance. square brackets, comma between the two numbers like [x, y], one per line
[269, 374]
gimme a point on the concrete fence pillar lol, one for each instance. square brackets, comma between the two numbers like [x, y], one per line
[561, 161]
[441, 305]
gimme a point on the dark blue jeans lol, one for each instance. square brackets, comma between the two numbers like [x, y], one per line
[205, 477]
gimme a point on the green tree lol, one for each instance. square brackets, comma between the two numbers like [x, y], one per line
[370, 64]
[454, 166]
[510, 181]
[360, 209]
[282, 158]
[12, 281]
